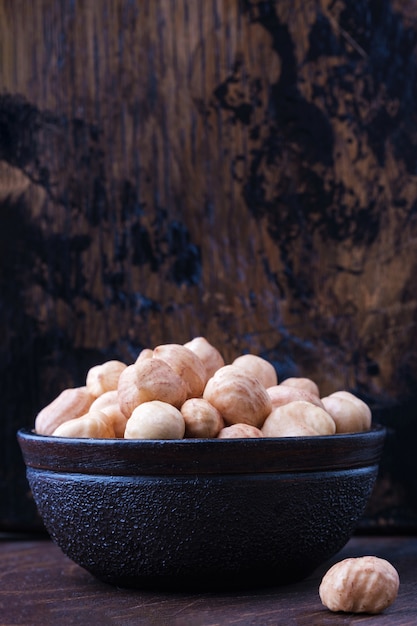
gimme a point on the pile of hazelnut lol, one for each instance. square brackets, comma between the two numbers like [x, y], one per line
[177, 391]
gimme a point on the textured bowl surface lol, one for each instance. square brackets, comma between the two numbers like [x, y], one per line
[202, 514]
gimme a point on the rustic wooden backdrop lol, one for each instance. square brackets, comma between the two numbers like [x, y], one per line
[241, 169]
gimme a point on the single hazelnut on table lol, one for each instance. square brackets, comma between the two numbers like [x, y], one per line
[366, 584]
[239, 397]
[155, 420]
[202, 419]
[257, 366]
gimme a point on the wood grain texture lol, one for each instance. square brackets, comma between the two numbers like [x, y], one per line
[243, 170]
[52, 589]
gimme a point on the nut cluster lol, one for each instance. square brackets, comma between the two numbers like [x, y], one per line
[187, 390]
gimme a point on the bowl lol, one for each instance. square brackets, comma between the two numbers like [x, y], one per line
[202, 513]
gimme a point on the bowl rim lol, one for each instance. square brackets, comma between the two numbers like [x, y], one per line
[185, 457]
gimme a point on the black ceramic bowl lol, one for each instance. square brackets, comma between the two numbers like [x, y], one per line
[201, 513]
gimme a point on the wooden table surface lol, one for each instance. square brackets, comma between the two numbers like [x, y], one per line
[41, 586]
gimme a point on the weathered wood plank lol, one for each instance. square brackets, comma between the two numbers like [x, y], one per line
[242, 170]
[41, 586]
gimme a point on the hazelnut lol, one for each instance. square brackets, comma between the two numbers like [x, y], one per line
[257, 366]
[149, 379]
[92, 425]
[108, 405]
[106, 398]
[240, 431]
[282, 394]
[155, 420]
[146, 353]
[366, 584]
[70, 403]
[302, 383]
[208, 354]
[238, 396]
[104, 377]
[202, 419]
[359, 403]
[298, 419]
[186, 364]
[349, 416]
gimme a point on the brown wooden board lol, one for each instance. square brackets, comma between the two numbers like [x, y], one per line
[240, 169]
[52, 589]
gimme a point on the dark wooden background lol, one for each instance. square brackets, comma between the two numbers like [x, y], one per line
[241, 169]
